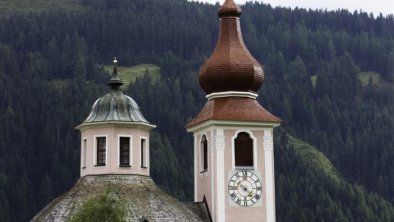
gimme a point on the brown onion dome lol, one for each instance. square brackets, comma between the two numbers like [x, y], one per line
[231, 67]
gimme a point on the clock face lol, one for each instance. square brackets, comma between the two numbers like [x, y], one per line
[245, 188]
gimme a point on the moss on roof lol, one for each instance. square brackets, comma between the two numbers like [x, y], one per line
[138, 195]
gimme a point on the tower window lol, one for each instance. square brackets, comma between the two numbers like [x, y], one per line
[101, 150]
[143, 153]
[83, 153]
[124, 151]
[243, 150]
[204, 154]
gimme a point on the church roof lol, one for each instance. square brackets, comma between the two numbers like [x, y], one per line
[141, 197]
[231, 67]
[115, 106]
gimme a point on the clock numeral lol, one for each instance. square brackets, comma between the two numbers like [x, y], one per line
[258, 188]
[245, 203]
[238, 202]
[233, 188]
[257, 196]
[233, 196]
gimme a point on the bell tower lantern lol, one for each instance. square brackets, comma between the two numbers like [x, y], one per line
[115, 135]
[233, 133]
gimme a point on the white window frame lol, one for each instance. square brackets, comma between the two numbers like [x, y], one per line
[84, 147]
[145, 149]
[251, 135]
[130, 150]
[95, 150]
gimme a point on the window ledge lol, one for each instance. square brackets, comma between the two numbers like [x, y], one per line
[144, 167]
[124, 165]
[99, 165]
[204, 172]
[83, 167]
[244, 168]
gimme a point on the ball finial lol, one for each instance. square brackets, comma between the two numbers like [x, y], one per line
[115, 61]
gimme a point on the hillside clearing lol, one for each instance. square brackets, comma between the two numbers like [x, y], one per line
[129, 74]
[365, 76]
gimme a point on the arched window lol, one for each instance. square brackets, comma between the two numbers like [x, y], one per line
[243, 150]
[204, 154]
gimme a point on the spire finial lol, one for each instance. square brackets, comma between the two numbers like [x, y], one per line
[231, 67]
[115, 82]
[229, 8]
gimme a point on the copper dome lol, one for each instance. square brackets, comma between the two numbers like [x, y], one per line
[231, 67]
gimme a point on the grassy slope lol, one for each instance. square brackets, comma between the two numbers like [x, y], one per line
[313, 80]
[8, 7]
[309, 181]
[365, 76]
[362, 76]
[129, 74]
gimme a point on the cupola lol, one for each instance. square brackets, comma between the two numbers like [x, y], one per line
[115, 106]
[231, 67]
[115, 135]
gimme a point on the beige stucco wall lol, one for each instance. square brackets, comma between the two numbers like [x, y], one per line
[203, 182]
[112, 134]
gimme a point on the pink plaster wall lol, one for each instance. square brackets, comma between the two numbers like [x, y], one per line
[204, 182]
[112, 163]
[204, 179]
[238, 213]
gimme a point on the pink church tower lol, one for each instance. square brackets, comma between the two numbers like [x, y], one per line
[233, 133]
[115, 135]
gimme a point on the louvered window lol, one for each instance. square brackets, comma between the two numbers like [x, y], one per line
[204, 154]
[124, 151]
[243, 150]
[101, 150]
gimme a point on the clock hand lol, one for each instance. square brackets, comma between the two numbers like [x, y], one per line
[244, 188]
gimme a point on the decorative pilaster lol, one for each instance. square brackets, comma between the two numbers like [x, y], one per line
[195, 168]
[268, 144]
[220, 146]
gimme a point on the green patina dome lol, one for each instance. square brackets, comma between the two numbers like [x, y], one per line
[115, 106]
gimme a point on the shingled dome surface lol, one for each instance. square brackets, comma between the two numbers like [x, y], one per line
[231, 67]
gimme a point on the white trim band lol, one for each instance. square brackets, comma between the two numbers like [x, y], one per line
[231, 94]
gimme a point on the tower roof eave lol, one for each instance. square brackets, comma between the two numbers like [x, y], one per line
[142, 125]
[234, 109]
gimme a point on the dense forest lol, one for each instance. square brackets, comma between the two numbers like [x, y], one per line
[329, 76]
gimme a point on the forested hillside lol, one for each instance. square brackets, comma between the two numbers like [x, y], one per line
[52, 69]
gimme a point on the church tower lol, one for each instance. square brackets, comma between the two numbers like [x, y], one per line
[115, 135]
[233, 133]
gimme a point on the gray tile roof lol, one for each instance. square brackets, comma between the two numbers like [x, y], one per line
[142, 198]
